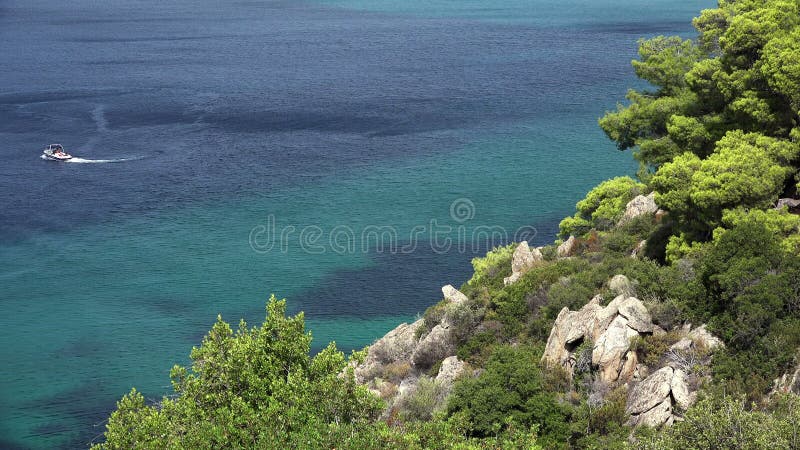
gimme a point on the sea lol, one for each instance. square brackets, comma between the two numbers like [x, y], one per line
[351, 156]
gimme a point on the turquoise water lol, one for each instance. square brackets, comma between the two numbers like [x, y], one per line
[338, 113]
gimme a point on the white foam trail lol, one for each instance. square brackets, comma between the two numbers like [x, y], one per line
[95, 161]
[99, 161]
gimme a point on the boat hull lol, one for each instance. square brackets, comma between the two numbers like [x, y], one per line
[54, 157]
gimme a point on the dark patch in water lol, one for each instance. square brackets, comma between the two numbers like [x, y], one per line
[397, 284]
[6, 444]
[82, 348]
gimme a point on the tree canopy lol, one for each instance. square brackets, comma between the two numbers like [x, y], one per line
[255, 387]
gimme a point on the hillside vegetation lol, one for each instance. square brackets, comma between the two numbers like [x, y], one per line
[717, 137]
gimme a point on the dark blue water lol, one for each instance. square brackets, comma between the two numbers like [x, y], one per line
[197, 121]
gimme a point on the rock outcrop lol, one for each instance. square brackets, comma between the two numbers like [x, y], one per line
[609, 328]
[397, 345]
[653, 401]
[396, 363]
[621, 285]
[450, 369]
[640, 205]
[523, 259]
[655, 397]
[792, 204]
[707, 340]
[433, 347]
[787, 383]
[566, 248]
[453, 295]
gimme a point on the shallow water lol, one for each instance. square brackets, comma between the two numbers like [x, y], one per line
[204, 123]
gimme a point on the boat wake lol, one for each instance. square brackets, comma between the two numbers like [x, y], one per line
[99, 161]
[96, 161]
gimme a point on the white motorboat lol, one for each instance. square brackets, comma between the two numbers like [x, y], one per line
[55, 152]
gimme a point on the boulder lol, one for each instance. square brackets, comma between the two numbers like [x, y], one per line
[640, 205]
[450, 369]
[630, 364]
[651, 392]
[397, 345]
[523, 259]
[607, 314]
[566, 248]
[680, 390]
[790, 203]
[435, 346]
[611, 347]
[581, 323]
[609, 328]
[569, 329]
[636, 313]
[556, 351]
[702, 337]
[453, 295]
[682, 345]
[661, 414]
[652, 402]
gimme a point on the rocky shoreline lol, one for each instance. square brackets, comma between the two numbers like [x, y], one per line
[597, 340]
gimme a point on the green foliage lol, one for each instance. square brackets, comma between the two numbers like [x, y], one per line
[741, 74]
[435, 434]
[752, 286]
[492, 267]
[423, 401]
[651, 349]
[778, 222]
[510, 387]
[478, 348]
[512, 305]
[745, 170]
[608, 418]
[726, 422]
[602, 207]
[256, 387]
[665, 61]
[781, 66]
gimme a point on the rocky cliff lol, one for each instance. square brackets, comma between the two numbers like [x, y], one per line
[614, 344]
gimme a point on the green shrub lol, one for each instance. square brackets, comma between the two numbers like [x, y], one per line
[422, 401]
[510, 387]
[256, 387]
[602, 207]
[727, 422]
[651, 349]
[477, 348]
[492, 268]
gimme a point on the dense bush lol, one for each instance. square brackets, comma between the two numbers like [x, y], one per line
[602, 207]
[256, 387]
[510, 387]
[728, 422]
